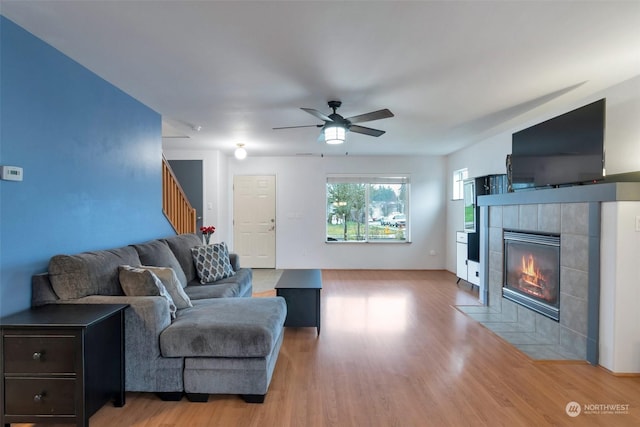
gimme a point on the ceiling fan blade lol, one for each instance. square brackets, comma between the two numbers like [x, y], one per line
[318, 114]
[366, 131]
[368, 117]
[303, 126]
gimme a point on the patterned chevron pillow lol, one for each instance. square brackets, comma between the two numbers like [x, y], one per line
[212, 262]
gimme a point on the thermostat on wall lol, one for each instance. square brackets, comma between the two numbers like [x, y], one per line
[11, 173]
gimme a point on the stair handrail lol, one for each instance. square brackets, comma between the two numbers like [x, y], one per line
[175, 205]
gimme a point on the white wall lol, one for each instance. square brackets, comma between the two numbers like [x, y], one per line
[622, 146]
[486, 158]
[619, 291]
[300, 210]
[622, 135]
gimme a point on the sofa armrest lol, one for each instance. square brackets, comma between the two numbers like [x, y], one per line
[41, 290]
[144, 320]
[234, 259]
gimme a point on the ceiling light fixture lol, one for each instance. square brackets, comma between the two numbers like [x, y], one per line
[334, 134]
[240, 152]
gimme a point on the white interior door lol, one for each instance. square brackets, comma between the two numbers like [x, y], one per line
[254, 220]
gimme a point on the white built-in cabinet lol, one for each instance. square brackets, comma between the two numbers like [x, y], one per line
[461, 255]
[466, 269]
[473, 272]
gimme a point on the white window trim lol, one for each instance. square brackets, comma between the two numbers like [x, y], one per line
[375, 179]
[459, 176]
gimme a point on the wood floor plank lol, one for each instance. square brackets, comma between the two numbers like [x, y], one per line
[394, 351]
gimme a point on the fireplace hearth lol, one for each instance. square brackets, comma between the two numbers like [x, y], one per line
[532, 271]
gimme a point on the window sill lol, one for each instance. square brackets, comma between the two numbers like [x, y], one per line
[361, 242]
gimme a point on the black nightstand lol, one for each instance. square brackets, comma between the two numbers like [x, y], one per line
[61, 362]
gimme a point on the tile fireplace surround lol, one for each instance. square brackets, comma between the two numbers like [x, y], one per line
[586, 218]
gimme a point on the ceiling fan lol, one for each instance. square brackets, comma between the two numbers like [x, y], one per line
[335, 126]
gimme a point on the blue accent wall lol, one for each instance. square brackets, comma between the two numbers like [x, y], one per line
[91, 156]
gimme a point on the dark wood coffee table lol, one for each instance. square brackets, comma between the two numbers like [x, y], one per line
[301, 290]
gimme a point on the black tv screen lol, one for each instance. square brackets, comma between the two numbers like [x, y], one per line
[566, 149]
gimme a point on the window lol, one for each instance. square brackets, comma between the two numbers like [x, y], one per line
[458, 177]
[367, 208]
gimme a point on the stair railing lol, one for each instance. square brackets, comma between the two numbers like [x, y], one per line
[175, 205]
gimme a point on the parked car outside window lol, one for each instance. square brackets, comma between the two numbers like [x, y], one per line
[399, 220]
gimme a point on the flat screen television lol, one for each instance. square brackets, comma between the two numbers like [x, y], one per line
[567, 149]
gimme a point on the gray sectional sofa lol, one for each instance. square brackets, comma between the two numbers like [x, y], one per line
[223, 343]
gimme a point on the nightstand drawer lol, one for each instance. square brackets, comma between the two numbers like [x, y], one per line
[51, 354]
[40, 396]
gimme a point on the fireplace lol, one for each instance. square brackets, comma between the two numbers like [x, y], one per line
[532, 271]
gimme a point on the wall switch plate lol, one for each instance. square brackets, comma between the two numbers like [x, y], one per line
[637, 222]
[11, 173]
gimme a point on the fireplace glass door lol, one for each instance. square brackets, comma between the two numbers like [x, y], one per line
[532, 271]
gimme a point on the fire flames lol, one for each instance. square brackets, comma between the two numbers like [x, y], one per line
[529, 271]
[532, 280]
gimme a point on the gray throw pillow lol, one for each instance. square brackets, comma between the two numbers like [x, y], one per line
[138, 282]
[212, 262]
[159, 254]
[170, 281]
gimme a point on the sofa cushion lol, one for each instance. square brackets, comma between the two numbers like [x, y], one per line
[89, 273]
[212, 262]
[239, 285]
[181, 245]
[170, 281]
[140, 282]
[157, 253]
[198, 291]
[225, 327]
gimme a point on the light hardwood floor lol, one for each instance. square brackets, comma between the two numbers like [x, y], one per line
[394, 351]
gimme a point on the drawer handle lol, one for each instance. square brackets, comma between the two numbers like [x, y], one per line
[38, 355]
[39, 397]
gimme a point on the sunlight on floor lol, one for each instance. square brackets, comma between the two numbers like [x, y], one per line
[386, 313]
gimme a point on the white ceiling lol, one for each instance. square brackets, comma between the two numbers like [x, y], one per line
[452, 72]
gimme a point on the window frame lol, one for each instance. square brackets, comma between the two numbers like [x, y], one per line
[368, 180]
[459, 175]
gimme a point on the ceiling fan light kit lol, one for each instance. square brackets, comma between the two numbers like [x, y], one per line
[335, 126]
[334, 134]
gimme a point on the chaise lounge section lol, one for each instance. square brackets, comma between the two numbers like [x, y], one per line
[219, 342]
